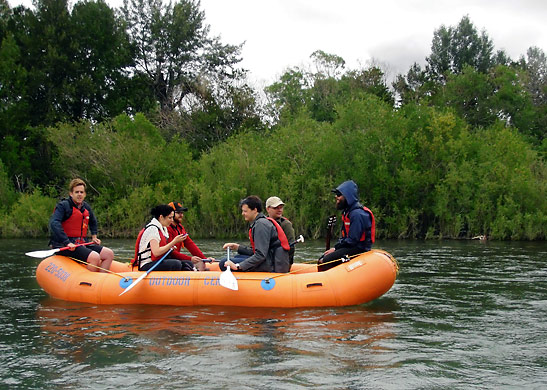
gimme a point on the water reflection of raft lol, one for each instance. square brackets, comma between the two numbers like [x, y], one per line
[362, 279]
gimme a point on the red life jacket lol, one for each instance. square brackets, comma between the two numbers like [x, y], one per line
[280, 235]
[136, 260]
[346, 223]
[76, 225]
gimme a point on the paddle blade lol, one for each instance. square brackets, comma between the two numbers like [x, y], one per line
[42, 254]
[228, 280]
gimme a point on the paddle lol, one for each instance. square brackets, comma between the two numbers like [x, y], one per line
[146, 273]
[51, 252]
[330, 226]
[299, 239]
[227, 278]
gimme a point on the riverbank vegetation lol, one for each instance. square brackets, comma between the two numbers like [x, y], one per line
[454, 150]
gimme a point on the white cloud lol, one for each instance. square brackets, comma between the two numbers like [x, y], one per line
[283, 33]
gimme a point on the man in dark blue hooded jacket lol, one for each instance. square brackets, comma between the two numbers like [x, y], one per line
[358, 226]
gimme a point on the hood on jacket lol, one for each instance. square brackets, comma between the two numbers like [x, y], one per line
[350, 191]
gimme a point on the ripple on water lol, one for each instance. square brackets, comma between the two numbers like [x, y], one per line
[461, 315]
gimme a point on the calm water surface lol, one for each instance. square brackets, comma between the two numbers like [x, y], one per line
[461, 315]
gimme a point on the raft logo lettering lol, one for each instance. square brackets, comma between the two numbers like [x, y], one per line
[57, 271]
[170, 281]
[353, 266]
[211, 281]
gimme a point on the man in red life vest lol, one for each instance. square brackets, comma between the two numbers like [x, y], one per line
[274, 208]
[176, 228]
[269, 251]
[69, 225]
[358, 226]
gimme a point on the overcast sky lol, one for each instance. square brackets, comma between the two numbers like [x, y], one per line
[283, 33]
[279, 34]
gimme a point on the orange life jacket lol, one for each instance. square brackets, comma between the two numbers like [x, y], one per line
[280, 235]
[346, 223]
[76, 225]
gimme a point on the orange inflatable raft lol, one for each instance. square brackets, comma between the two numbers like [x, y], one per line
[359, 280]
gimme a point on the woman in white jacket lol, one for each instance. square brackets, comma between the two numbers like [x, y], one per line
[152, 241]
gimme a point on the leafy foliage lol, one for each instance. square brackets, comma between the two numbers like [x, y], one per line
[147, 108]
[173, 48]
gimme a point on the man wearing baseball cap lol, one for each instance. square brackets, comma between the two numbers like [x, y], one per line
[176, 228]
[274, 207]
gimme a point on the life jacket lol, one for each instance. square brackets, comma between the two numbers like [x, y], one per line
[136, 260]
[346, 223]
[75, 226]
[280, 235]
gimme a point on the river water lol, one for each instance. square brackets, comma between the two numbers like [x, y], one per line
[461, 315]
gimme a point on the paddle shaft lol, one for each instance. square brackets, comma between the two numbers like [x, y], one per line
[330, 226]
[51, 252]
[75, 245]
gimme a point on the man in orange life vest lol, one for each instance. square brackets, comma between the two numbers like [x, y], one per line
[358, 226]
[269, 251]
[176, 228]
[69, 225]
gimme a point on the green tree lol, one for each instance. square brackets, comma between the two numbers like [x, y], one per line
[289, 95]
[371, 80]
[56, 66]
[413, 87]
[535, 65]
[453, 48]
[7, 192]
[173, 48]
[117, 156]
[100, 61]
[218, 116]
[327, 65]
[318, 93]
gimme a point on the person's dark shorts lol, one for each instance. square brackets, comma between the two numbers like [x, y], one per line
[82, 252]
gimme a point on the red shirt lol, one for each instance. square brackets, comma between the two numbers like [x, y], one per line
[175, 230]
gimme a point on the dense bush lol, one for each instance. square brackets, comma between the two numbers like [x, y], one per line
[424, 172]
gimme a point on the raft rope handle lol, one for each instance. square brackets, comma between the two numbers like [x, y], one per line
[393, 259]
[344, 259]
[266, 279]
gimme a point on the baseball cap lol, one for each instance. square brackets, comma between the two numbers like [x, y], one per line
[177, 206]
[274, 201]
